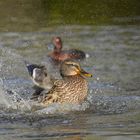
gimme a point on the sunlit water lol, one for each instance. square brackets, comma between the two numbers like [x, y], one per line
[111, 110]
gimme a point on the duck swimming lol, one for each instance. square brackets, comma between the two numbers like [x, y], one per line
[72, 88]
[59, 55]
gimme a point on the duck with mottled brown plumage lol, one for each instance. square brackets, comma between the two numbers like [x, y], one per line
[72, 88]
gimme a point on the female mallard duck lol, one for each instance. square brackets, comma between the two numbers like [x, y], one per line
[59, 55]
[72, 88]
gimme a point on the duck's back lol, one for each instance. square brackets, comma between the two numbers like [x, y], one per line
[74, 54]
[70, 90]
[67, 54]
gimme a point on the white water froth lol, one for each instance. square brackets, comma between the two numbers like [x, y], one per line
[16, 102]
[94, 103]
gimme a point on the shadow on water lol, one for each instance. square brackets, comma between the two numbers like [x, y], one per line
[111, 110]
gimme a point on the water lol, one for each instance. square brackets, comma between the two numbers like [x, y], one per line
[111, 110]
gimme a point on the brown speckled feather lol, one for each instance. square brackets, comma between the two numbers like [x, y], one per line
[72, 89]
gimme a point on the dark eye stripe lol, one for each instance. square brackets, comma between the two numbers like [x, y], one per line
[73, 64]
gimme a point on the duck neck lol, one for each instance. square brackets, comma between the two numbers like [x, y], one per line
[57, 49]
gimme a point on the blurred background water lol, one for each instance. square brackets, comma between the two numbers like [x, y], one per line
[108, 31]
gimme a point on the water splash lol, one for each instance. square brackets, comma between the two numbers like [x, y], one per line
[10, 99]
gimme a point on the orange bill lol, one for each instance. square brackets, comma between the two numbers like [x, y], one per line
[85, 73]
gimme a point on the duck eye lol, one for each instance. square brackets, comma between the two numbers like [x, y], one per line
[76, 66]
[72, 64]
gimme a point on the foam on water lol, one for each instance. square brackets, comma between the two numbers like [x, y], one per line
[94, 103]
[14, 101]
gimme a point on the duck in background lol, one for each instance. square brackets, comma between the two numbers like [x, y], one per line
[58, 55]
[72, 88]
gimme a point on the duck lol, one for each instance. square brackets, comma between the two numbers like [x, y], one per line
[59, 55]
[40, 77]
[72, 88]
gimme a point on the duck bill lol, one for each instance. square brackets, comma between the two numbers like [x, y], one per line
[82, 72]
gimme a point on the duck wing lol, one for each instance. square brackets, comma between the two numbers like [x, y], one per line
[75, 54]
[54, 94]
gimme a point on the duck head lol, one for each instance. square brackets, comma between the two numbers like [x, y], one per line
[57, 42]
[72, 68]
